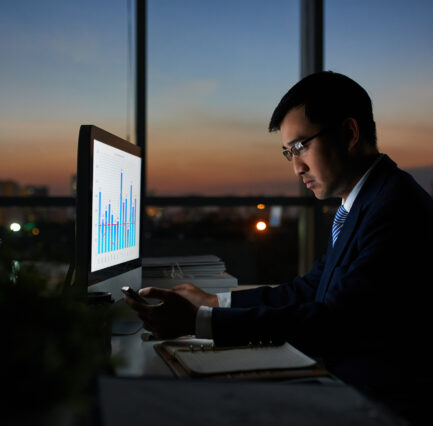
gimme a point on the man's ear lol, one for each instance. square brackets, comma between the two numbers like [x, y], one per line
[351, 132]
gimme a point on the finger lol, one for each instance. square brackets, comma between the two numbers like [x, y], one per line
[146, 324]
[146, 320]
[137, 306]
[149, 324]
[184, 286]
[156, 293]
[132, 303]
[156, 335]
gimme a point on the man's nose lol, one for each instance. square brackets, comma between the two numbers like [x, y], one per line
[299, 166]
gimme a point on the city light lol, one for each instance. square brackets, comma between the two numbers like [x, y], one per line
[29, 226]
[261, 206]
[261, 226]
[153, 211]
[15, 227]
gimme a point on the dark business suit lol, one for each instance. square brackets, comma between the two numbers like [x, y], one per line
[366, 301]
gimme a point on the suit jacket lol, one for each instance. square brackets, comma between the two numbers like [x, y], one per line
[365, 307]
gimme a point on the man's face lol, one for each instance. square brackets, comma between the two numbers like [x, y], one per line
[321, 165]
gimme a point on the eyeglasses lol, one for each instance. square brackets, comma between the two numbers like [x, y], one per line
[297, 149]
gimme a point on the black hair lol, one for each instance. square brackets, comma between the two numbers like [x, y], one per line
[329, 98]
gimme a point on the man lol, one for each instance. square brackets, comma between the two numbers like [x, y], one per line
[365, 306]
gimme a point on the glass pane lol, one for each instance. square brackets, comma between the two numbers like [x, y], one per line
[63, 64]
[387, 48]
[216, 71]
[40, 237]
[257, 244]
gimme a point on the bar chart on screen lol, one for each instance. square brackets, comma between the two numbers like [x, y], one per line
[116, 230]
[115, 206]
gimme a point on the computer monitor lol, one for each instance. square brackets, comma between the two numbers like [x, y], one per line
[109, 175]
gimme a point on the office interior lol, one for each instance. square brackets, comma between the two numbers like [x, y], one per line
[193, 84]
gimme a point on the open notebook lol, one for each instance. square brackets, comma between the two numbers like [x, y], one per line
[201, 357]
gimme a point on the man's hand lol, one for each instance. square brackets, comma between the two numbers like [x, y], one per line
[173, 317]
[196, 296]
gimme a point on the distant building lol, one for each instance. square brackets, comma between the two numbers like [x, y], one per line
[35, 191]
[9, 188]
[26, 215]
[8, 215]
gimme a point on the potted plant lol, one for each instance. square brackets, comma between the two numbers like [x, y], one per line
[54, 347]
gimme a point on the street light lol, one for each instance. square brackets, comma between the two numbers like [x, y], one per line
[15, 227]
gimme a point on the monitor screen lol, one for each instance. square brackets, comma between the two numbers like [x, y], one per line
[109, 174]
[115, 206]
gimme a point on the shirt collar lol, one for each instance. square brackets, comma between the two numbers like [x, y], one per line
[355, 191]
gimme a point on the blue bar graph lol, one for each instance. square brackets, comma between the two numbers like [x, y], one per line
[117, 230]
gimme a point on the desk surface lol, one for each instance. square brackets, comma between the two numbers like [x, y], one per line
[126, 402]
[145, 384]
[138, 357]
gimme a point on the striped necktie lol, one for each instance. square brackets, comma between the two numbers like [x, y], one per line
[338, 223]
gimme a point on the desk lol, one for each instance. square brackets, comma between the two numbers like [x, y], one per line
[162, 401]
[139, 357]
[145, 391]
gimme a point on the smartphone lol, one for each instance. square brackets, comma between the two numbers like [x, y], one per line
[133, 294]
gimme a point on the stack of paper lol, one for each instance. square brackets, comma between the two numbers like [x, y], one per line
[205, 271]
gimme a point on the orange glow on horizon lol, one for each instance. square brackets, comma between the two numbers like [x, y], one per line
[214, 160]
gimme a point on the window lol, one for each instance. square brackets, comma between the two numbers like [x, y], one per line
[386, 46]
[216, 71]
[63, 64]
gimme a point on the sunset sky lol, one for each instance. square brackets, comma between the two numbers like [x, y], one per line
[216, 70]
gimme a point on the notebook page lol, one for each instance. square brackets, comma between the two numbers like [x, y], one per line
[244, 359]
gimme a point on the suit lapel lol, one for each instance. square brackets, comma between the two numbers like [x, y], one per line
[369, 191]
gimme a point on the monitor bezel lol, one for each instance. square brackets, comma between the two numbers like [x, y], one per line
[84, 277]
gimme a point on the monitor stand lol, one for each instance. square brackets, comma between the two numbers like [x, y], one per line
[126, 321]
